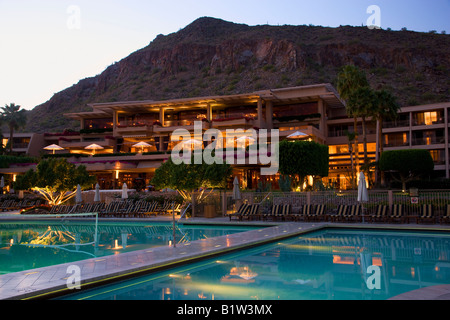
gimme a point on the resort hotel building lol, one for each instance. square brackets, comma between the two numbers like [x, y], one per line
[125, 142]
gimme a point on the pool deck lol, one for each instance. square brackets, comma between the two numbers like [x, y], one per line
[43, 283]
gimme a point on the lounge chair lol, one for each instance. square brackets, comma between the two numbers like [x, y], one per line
[251, 213]
[314, 213]
[242, 209]
[397, 214]
[381, 214]
[340, 214]
[353, 213]
[426, 214]
[296, 215]
[446, 217]
[279, 211]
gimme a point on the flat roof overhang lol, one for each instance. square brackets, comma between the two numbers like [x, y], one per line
[326, 92]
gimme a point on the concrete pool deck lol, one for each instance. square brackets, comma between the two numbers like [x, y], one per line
[45, 282]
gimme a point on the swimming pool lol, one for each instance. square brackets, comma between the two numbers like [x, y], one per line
[329, 264]
[26, 245]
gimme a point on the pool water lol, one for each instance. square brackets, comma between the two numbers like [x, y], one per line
[324, 265]
[28, 245]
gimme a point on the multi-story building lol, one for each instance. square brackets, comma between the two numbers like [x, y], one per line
[421, 127]
[315, 110]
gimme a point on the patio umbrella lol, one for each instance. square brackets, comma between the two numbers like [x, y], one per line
[297, 135]
[243, 139]
[78, 197]
[142, 145]
[53, 147]
[97, 193]
[124, 191]
[236, 191]
[94, 147]
[193, 142]
[363, 195]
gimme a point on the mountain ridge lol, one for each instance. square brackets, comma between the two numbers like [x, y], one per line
[211, 56]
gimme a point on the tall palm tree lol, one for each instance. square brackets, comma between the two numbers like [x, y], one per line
[363, 100]
[350, 78]
[15, 118]
[386, 108]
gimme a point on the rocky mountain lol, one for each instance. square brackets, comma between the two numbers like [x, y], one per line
[215, 57]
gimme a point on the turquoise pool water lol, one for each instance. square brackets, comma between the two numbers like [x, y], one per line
[27, 245]
[325, 265]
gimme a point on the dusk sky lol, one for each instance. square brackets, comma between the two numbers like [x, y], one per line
[49, 45]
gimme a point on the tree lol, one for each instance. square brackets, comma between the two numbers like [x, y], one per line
[301, 159]
[186, 178]
[406, 165]
[362, 100]
[386, 108]
[349, 80]
[15, 118]
[55, 179]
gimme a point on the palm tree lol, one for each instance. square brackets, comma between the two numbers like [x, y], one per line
[363, 100]
[351, 78]
[15, 118]
[386, 108]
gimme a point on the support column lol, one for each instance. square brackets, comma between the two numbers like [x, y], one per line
[260, 120]
[269, 114]
[208, 112]
[161, 116]
[323, 118]
[115, 120]
[161, 144]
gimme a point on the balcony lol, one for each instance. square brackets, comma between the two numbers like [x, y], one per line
[172, 125]
[241, 121]
[143, 129]
[426, 141]
[105, 142]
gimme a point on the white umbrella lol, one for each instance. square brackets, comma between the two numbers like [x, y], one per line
[142, 145]
[193, 143]
[236, 191]
[363, 195]
[124, 191]
[53, 147]
[97, 193]
[94, 147]
[78, 197]
[297, 135]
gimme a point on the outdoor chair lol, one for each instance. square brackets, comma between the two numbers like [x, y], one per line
[354, 213]
[148, 209]
[381, 213]
[426, 214]
[316, 213]
[242, 209]
[281, 211]
[446, 217]
[340, 214]
[397, 214]
[306, 212]
[297, 215]
[251, 213]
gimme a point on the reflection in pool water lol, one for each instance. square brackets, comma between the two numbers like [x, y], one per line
[29, 245]
[341, 265]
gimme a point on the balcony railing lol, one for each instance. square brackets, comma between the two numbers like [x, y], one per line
[428, 141]
[395, 124]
